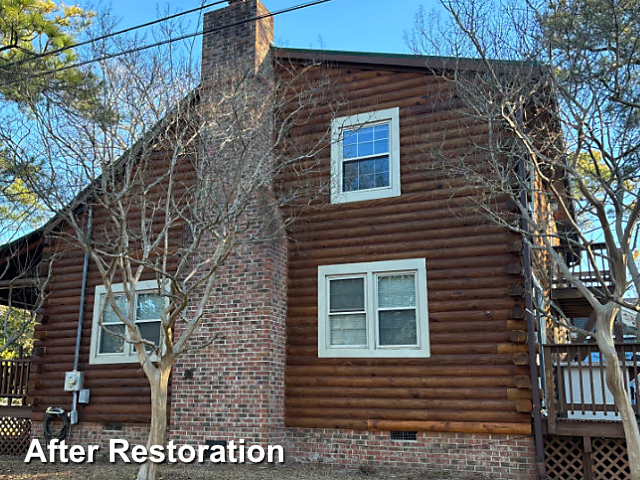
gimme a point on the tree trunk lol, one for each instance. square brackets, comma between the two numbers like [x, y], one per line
[615, 383]
[159, 382]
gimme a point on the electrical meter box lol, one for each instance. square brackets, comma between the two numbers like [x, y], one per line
[73, 381]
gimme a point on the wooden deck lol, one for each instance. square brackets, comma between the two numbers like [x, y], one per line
[577, 400]
[583, 434]
[594, 274]
[15, 414]
[14, 378]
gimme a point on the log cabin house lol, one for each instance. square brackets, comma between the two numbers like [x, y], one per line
[393, 327]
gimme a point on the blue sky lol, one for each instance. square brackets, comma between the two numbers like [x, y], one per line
[358, 25]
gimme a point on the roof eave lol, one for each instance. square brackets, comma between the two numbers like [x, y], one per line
[391, 60]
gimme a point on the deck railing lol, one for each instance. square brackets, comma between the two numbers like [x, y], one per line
[14, 377]
[575, 381]
[583, 269]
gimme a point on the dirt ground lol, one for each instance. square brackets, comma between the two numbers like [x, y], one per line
[13, 468]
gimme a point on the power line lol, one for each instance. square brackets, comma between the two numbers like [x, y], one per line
[108, 35]
[171, 40]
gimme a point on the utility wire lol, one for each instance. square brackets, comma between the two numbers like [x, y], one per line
[108, 35]
[171, 40]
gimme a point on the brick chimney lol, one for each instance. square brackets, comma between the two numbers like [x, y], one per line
[235, 388]
[234, 39]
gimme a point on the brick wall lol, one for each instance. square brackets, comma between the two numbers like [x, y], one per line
[235, 388]
[244, 46]
[499, 457]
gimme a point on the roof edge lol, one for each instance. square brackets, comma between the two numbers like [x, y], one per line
[398, 60]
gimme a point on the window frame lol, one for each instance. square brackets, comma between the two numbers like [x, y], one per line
[128, 356]
[338, 125]
[370, 271]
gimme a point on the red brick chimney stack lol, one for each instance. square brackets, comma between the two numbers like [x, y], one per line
[235, 388]
[239, 41]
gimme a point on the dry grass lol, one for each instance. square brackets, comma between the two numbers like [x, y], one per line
[12, 468]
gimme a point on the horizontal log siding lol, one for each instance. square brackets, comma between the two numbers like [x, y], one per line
[119, 392]
[476, 379]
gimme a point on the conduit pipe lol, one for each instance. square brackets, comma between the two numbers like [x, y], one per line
[83, 294]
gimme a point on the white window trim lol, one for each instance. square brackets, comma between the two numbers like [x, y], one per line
[339, 124]
[129, 355]
[368, 269]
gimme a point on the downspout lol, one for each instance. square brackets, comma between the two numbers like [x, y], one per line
[83, 294]
[531, 338]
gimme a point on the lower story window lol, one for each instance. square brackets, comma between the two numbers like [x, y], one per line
[108, 345]
[375, 309]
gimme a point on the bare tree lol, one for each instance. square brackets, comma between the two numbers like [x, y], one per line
[554, 88]
[164, 185]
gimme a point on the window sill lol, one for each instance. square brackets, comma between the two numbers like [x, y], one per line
[115, 359]
[380, 353]
[362, 195]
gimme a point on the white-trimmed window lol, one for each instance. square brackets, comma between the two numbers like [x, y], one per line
[374, 309]
[365, 156]
[108, 348]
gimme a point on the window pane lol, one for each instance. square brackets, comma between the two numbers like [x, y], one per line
[350, 184]
[381, 146]
[350, 169]
[349, 144]
[346, 295]
[382, 180]
[150, 331]
[350, 176]
[348, 330]
[365, 148]
[349, 151]
[366, 166]
[397, 327]
[382, 164]
[109, 315]
[149, 306]
[111, 343]
[396, 291]
[381, 131]
[350, 137]
[367, 181]
[365, 134]
[365, 141]
[365, 174]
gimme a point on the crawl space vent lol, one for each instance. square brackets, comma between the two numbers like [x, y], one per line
[403, 436]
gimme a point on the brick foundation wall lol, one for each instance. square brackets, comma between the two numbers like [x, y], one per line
[86, 433]
[500, 457]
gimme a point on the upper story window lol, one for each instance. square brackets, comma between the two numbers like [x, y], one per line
[374, 309]
[365, 156]
[109, 348]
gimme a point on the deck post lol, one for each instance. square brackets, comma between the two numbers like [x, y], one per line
[550, 397]
[586, 458]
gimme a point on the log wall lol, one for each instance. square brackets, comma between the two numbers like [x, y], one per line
[120, 392]
[477, 378]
